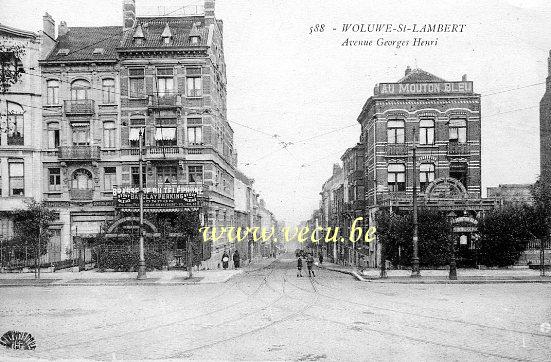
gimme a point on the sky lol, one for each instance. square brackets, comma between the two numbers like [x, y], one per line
[305, 91]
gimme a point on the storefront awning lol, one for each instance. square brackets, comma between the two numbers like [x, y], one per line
[135, 134]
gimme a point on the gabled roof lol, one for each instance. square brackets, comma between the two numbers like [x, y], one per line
[4, 29]
[420, 76]
[81, 42]
[154, 27]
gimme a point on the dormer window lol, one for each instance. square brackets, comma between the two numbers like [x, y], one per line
[138, 35]
[63, 51]
[98, 51]
[194, 35]
[167, 34]
[194, 40]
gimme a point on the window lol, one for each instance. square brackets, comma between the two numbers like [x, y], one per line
[194, 39]
[109, 134]
[194, 84]
[81, 134]
[165, 136]
[165, 82]
[82, 180]
[195, 174]
[135, 176]
[458, 170]
[426, 132]
[54, 178]
[167, 175]
[458, 130]
[108, 91]
[15, 124]
[79, 90]
[137, 83]
[396, 177]
[195, 135]
[395, 131]
[53, 135]
[52, 92]
[134, 136]
[109, 178]
[426, 175]
[17, 179]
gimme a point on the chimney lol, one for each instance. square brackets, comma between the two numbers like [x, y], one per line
[209, 11]
[48, 25]
[128, 14]
[464, 78]
[62, 29]
[408, 70]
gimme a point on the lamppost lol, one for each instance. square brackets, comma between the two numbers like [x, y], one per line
[453, 267]
[415, 273]
[141, 262]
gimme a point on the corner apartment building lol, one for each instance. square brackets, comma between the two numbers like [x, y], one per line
[158, 79]
[20, 121]
[441, 119]
[545, 128]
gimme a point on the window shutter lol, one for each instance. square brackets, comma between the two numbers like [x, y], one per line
[125, 175]
[124, 136]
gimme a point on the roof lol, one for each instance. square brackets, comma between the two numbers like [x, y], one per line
[420, 76]
[17, 32]
[180, 29]
[81, 42]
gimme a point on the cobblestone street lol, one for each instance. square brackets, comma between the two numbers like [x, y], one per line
[270, 314]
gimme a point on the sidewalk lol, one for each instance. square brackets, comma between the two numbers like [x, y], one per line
[464, 276]
[158, 277]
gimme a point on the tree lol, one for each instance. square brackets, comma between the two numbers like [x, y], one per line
[31, 229]
[504, 235]
[395, 232]
[10, 65]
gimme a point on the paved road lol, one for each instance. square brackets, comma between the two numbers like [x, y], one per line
[270, 314]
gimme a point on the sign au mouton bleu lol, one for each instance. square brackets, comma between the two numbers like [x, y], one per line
[425, 88]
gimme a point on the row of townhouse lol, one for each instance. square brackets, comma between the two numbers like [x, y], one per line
[437, 119]
[92, 98]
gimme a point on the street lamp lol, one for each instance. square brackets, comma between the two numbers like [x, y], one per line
[141, 262]
[415, 273]
[453, 268]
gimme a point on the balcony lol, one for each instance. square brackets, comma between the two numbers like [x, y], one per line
[458, 149]
[164, 101]
[79, 107]
[164, 152]
[81, 194]
[396, 150]
[78, 153]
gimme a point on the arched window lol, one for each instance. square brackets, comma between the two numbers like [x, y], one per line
[15, 124]
[108, 90]
[426, 175]
[395, 131]
[396, 177]
[426, 132]
[82, 180]
[458, 130]
[53, 92]
[80, 89]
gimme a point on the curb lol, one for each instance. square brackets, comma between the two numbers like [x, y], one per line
[459, 281]
[343, 271]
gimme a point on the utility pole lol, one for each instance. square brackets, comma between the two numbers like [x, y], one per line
[453, 266]
[415, 273]
[141, 262]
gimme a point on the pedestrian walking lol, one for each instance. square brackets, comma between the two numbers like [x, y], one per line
[310, 265]
[299, 266]
[321, 258]
[225, 260]
[236, 259]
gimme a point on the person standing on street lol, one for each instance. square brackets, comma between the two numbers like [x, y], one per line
[321, 258]
[236, 259]
[225, 260]
[310, 265]
[299, 266]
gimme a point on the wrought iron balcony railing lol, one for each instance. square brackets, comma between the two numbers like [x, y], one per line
[164, 101]
[79, 107]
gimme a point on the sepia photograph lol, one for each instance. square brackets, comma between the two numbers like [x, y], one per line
[275, 180]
